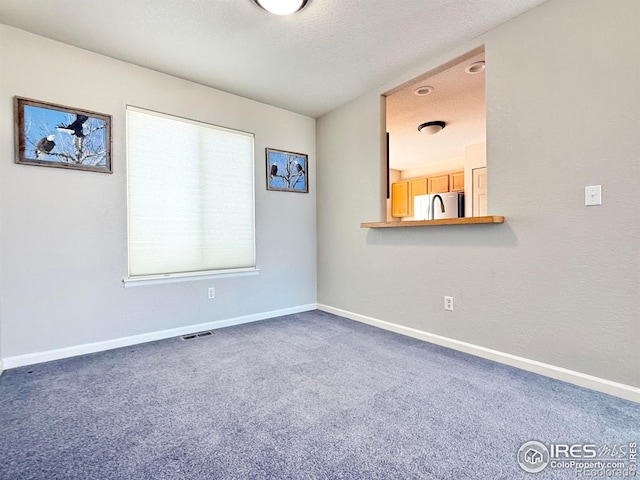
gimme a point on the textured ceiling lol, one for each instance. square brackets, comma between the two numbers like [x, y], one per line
[458, 99]
[310, 62]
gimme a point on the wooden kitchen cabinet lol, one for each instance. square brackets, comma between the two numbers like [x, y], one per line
[456, 182]
[400, 199]
[417, 186]
[439, 184]
[403, 193]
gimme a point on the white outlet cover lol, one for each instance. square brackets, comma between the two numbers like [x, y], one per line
[593, 195]
[448, 303]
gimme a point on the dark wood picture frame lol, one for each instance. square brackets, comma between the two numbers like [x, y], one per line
[58, 136]
[287, 171]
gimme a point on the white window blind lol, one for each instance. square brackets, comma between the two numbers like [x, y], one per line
[190, 196]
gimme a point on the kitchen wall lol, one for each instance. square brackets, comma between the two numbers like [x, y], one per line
[434, 168]
[63, 244]
[557, 282]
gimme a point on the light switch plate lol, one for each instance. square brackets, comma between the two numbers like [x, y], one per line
[593, 195]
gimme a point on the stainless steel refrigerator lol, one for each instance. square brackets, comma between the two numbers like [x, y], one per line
[429, 207]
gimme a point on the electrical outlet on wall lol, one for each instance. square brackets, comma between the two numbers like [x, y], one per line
[212, 292]
[448, 303]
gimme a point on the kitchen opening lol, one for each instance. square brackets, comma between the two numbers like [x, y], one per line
[436, 143]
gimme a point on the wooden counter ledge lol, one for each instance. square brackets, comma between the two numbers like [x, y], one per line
[433, 223]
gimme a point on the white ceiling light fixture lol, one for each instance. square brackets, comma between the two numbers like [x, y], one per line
[282, 7]
[425, 90]
[476, 67]
[431, 128]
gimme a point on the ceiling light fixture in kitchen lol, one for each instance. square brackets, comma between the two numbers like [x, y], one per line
[431, 128]
[476, 67]
[421, 91]
[282, 7]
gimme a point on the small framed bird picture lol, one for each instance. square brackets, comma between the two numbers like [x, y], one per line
[57, 136]
[287, 171]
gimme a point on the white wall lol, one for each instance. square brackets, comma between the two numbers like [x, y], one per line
[434, 168]
[558, 282]
[64, 244]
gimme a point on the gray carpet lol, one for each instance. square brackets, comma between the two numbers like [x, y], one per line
[308, 396]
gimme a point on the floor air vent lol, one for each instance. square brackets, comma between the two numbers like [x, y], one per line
[196, 335]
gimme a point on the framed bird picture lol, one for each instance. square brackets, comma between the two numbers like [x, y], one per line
[57, 136]
[287, 171]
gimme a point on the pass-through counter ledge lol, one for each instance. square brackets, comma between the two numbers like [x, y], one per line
[433, 223]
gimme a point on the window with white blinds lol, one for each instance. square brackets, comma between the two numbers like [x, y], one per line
[190, 197]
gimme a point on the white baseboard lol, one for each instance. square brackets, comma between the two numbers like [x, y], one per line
[583, 380]
[39, 357]
[1, 367]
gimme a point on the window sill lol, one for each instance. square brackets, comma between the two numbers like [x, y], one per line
[188, 277]
[433, 223]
